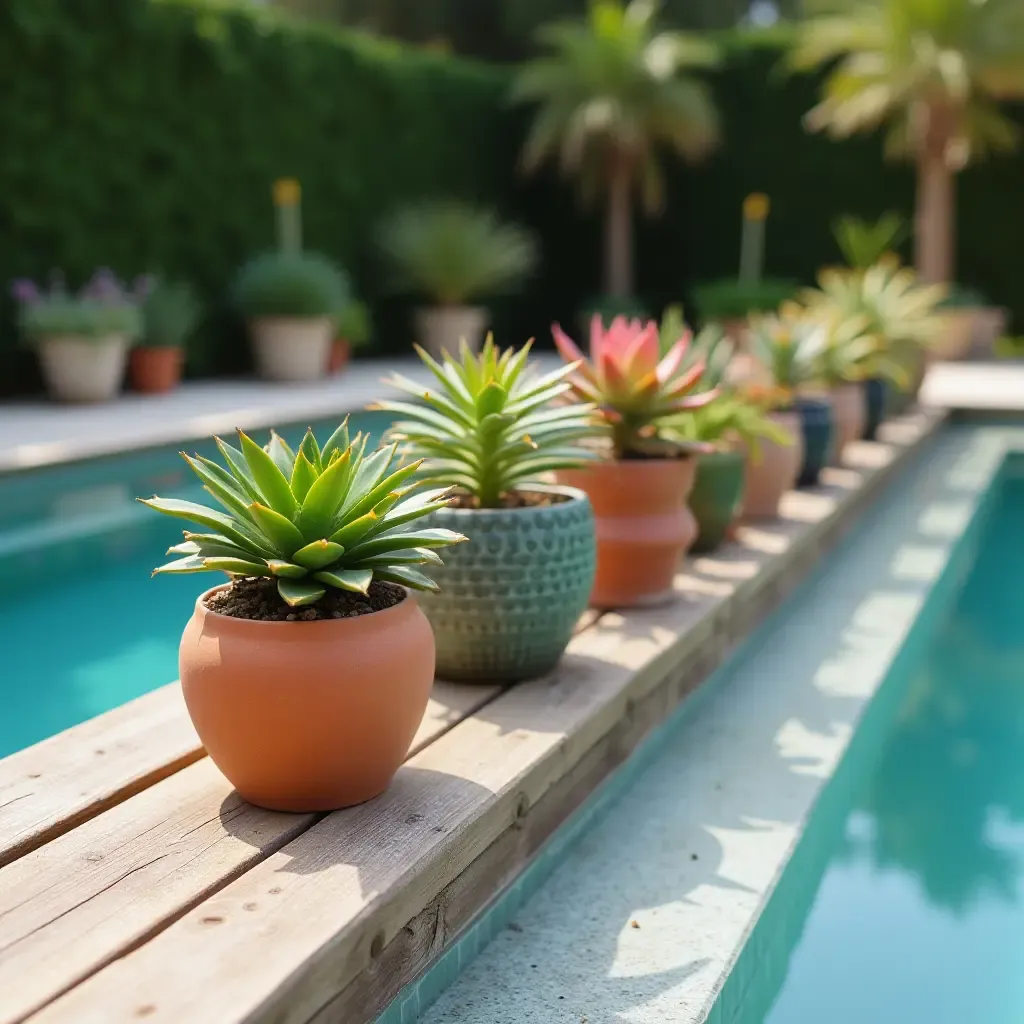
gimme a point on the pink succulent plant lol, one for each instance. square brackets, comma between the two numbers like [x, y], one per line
[633, 385]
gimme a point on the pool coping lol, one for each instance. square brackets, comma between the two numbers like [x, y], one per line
[474, 805]
[703, 931]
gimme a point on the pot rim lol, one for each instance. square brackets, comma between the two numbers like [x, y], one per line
[574, 494]
[680, 460]
[724, 453]
[379, 616]
[447, 307]
[287, 319]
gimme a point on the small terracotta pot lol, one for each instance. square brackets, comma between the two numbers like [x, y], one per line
[776, 471]
[340, 352]
[307, 716]
[643, 526]
[155, 369]
[848, 416]
[716, 496]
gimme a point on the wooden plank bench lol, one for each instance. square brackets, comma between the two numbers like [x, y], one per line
[137, 886]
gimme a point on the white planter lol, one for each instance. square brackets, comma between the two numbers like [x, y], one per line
[441, 328]
[78, 369]
[291, 348]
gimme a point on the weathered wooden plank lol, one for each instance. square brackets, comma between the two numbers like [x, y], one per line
[283, 941]
[78, 902]
[58, 783]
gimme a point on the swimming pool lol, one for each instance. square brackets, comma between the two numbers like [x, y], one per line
[82, 626]
[903, 903]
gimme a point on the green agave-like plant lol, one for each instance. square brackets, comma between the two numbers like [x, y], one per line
[491, 426]
[311, 519]
[788, 345]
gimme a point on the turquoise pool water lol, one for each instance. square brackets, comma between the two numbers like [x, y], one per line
[903, 904]
[82, 625]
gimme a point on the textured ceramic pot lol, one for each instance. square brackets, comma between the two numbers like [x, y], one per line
[643, 526]
[291, 348]
[511, 596]
[848, 417]
[155, 369]
[876, 396]
[83, 369]
[817, 427]
[716, 497]
[441, 328]
[776, 469]
[307, 716]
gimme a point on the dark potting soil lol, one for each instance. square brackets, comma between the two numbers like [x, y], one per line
[257, 598]
[513, 499]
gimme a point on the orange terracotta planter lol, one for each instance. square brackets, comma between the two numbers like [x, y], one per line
[850, 414]
[340, 351]
[776, 472]
[643, 526]
[155, 369]
[308, 716]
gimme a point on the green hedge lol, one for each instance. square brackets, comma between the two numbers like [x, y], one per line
[145, 134]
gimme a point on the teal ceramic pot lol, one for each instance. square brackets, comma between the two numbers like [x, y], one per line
[818, 428]
[511, 596]
[716, 497]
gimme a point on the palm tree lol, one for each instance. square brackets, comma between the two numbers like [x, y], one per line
[609, 93]
[933, 70]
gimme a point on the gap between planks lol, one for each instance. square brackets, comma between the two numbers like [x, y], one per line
[291, 933]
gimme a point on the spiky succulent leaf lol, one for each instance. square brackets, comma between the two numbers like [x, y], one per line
[311, 520]
[487, 426]
[636, 377]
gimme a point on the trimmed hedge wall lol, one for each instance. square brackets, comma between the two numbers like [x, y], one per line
[145, 134]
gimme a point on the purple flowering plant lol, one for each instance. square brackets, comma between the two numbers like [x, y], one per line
[103, 307]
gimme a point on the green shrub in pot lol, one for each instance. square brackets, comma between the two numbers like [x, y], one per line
[453, 253]
[490, 427]
[170, 314]
[353, 328]
[290, 299]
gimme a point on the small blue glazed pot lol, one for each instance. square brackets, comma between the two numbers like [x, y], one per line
[876, 394]
[818, 428]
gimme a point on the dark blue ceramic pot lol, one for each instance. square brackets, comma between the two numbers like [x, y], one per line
[818, 430]
[876, 394]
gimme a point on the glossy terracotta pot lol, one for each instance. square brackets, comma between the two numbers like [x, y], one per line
[816, 425]
[155, 369]
[643, 526]
[307, 716]
[511, 597]
[716, 496]
[775, 471]
[340, 352]
[848, 417]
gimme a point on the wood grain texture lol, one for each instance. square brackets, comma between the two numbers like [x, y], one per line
[282, 942]
[51, 787]
[76, 903]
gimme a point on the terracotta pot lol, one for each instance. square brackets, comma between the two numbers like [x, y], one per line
[307, 716]
[643, 526]
[80, 369]
[291, 348]
[849, 416]
[954, 340]
[715, 497]
[441, 328]
[155, 369]
[816, 425]
[776, 471]
[511, 597]
[340, 352]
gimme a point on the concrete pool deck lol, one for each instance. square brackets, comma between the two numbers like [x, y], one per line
[40, 433]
